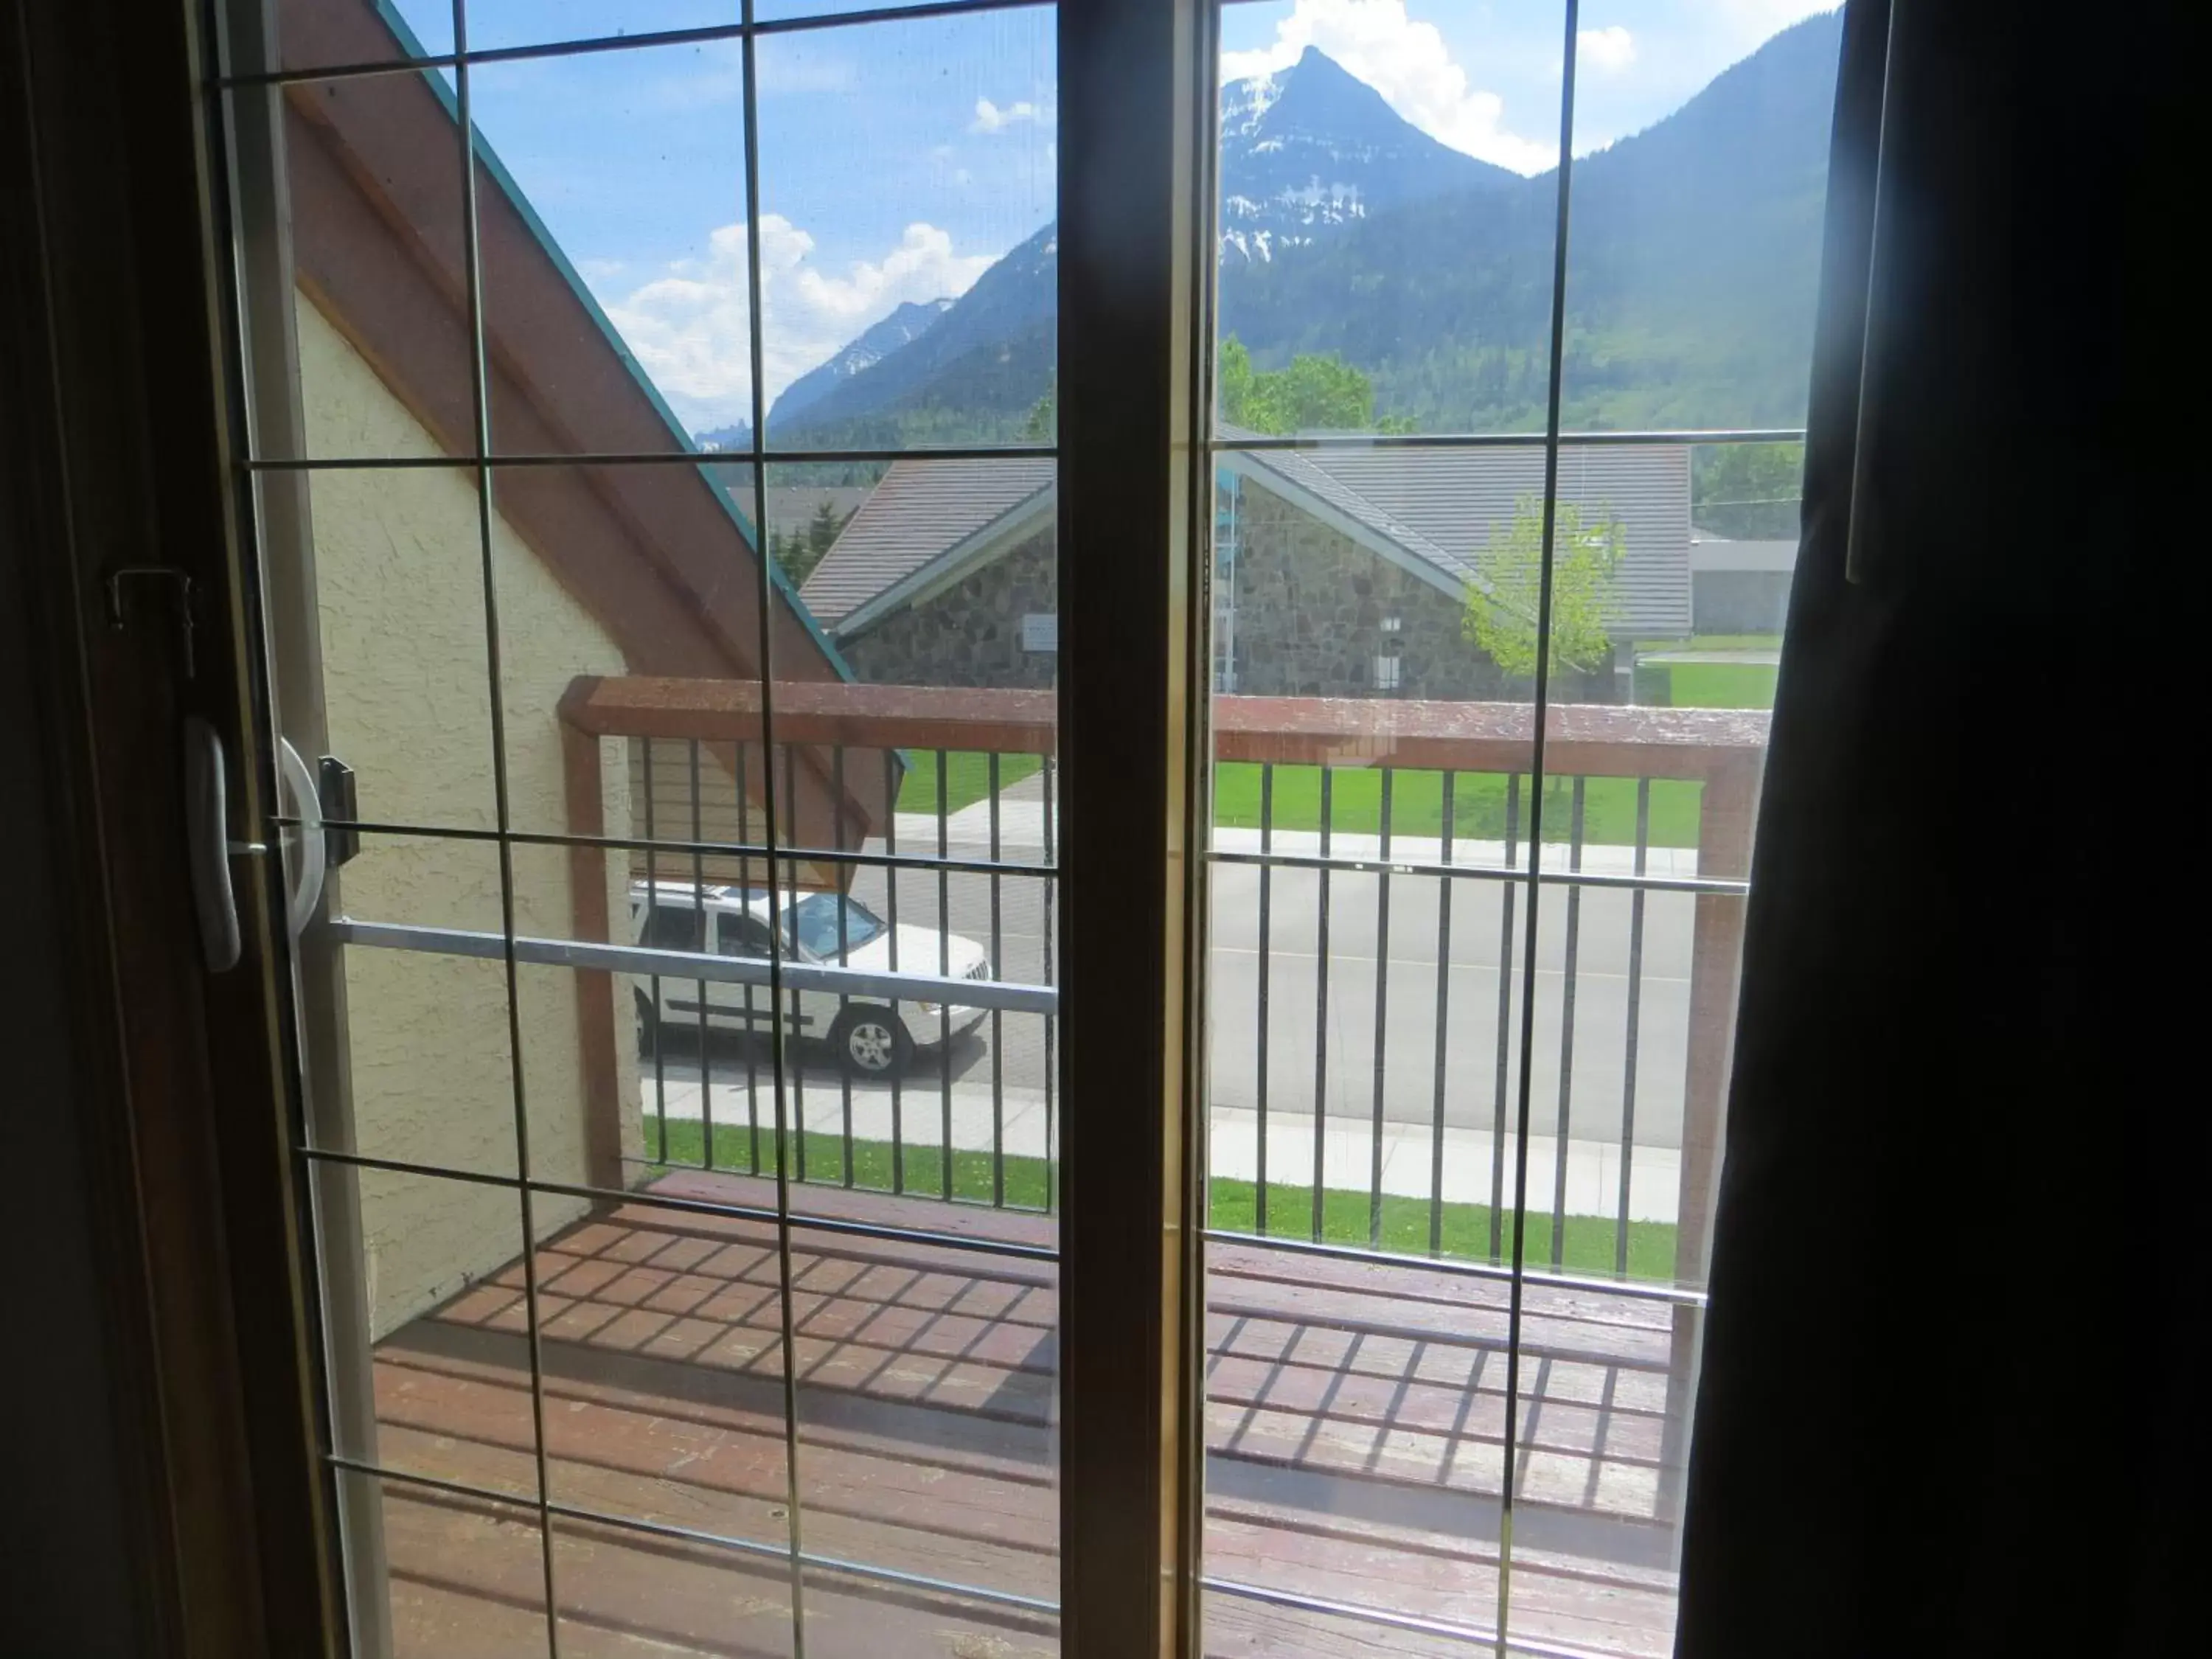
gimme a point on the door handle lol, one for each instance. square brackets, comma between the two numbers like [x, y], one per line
[207, 830]
[304, 849]
[207, 805]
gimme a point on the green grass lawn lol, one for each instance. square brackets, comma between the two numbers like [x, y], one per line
[1477, 805]
[1721, 684]
[967, 777]
[1587, 1247]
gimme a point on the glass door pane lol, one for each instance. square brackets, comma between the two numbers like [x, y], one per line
[1472, 987]
[651, 443]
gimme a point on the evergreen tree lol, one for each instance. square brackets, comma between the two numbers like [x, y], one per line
[822, 530]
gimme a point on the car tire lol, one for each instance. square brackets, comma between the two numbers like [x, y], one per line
[648, 1028]
[871, 1042]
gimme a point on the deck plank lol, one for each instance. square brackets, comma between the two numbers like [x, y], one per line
[1355, 1413]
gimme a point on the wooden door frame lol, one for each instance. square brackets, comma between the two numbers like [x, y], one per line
[116, 411]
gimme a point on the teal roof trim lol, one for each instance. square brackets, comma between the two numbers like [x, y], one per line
[410, 45]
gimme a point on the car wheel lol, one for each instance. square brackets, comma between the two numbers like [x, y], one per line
[648, 1027]
[871, 1041]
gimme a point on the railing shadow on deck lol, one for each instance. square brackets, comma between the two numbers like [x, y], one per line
[1355, 1365]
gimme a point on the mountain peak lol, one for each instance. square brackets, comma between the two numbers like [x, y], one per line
[1319, 89]
[905, 324]
[1314, 148]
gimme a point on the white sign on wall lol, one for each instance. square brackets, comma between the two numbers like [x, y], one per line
[1041, 632]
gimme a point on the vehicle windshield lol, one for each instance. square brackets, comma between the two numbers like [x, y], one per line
[811, 922]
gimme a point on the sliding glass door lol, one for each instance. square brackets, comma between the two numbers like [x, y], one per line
[665, 666]
[1016, 750]
[1513, 324]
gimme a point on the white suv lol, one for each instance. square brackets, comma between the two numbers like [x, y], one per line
[872, 1037]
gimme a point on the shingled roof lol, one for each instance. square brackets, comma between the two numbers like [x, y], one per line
[923, 512]
[1447, 504]
[1431, 510]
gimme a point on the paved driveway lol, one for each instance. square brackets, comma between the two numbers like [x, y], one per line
[1359, 965]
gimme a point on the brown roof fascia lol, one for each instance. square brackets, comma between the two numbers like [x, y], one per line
[377, 207]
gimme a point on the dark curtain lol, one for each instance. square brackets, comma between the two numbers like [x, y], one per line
[1954, 1389]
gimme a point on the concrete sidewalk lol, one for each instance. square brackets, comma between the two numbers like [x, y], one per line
[1593, 1168]
[1021, 840]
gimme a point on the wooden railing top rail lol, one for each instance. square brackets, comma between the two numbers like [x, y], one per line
[854, 716]
[1595, 740]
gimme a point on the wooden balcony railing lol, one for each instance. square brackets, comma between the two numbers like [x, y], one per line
[834, 747]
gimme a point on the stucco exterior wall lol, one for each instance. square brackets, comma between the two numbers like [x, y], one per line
[970, 633]
[399, 588]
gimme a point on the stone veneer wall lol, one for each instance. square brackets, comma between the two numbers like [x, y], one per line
[970, 634]
[1310, 604]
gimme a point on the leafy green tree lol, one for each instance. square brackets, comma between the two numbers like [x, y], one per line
[1313, 393]
[1501, 608]
[1746, 490]
[1043, 422]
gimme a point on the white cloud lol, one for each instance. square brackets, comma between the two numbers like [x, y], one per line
[1757, 21]
[1609, 51]
[1409, 64]
[991, 118]
[689, 325]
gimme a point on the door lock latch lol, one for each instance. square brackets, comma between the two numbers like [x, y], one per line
[120, 580]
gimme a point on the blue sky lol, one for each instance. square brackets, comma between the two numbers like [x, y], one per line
[898, 160]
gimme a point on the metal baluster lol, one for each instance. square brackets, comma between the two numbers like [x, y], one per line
[797, 1061]
[705, 943]
[752, 1014]
[1504, 1023]
[652, 892]
[1051, 1028]
[844, 944]
[1267, 883]
[997, 1016]
[1382, 1016]
[1443, 1004]
[1635, 1001]
[1567, 1028]
[1320, 1019]
[945, 971]
[890, 909]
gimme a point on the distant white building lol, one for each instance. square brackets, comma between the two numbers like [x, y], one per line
[1740, 587]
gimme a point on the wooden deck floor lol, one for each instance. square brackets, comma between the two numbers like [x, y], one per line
[1355, 1416]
